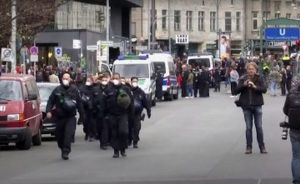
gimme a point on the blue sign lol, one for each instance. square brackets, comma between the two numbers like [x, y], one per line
[58, 52]
[282, 34]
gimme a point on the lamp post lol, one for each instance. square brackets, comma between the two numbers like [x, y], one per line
[14, 35]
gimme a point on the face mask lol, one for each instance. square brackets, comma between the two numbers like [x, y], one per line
[134, 84]
[123, 83]
[104, 83]
[116, 82]
[88, 83]
[65, 82]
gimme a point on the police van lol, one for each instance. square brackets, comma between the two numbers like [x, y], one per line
[201, 60]
[141, 67]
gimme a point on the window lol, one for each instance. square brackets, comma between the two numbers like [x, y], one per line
[288, 15]
[232, 2]
[164, 19]
[99, 17]
[227, 21]
[203, 3]
[177, 20]
[212, 21]
[129, 70]
[201, 20]
[189, 20]
[254, 20]
[277, 15]
[10, 90]
[133, 28]
[238, 21]
[266, 15]
[277, 5]
[298, 16]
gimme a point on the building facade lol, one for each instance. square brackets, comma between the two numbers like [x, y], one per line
[205, 21]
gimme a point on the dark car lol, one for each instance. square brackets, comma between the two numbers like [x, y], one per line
[20, 115]
[45, 90]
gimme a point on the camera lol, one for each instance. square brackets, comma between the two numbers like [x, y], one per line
[285, 130]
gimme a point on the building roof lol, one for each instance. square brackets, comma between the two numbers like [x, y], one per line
[125, 3]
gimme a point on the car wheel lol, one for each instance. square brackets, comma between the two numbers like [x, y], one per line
[25, 144]
[37, 139]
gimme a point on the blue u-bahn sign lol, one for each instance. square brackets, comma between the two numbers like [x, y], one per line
[282, 34]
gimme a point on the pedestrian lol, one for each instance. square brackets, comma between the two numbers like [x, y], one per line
[88, 100]
[234, 78]
[185, 76]
[53, 78]
[292, 110]
[62, 105]
[190, 85]
[217, 77]
[159, 84]
[204, 81]
[196, 74]
[140, 103]
[251, 87]
[289, 78]
[275, 79]
[283, 81]
[119, 106]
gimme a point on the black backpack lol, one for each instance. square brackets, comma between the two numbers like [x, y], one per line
[294, 110]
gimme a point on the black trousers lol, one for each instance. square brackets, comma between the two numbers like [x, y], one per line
[65, 130]
[233, 86]
[103, 130]
[196, 90]
[134, 128]
[89, 125]
[217, 86]
[183, 90]
[119, 130]
[283, 88]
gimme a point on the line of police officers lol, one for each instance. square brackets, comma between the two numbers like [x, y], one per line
[109, 110]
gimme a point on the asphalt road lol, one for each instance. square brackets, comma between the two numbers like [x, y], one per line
[187, 141]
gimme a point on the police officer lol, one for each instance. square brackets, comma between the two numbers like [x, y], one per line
[119, 106]
[62, 105]
[88, 101]
[140, 102]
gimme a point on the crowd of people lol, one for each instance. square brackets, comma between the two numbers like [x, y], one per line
[110, 109]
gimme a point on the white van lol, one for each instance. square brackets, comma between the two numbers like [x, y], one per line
[201, 60]
[140, 67]
[164, 63]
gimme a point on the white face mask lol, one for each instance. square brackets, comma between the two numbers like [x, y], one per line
[116, 82]
[88, 83]
[104, 83]
[134, 84]
[66, 82]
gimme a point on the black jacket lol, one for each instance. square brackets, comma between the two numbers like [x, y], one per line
[250, 96]
[87, 97]
[110, 98]
[140, 98]
[292, 108]
[55, 102]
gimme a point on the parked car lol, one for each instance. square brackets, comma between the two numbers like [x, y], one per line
[20, 115]
[45, 90]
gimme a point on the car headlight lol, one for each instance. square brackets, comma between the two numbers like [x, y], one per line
[13, 117]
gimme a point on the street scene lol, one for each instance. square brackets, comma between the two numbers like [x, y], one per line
[150, 91]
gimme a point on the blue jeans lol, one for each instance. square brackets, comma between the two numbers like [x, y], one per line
[189, 90]
[295, 140]
[250, 114]
[273, 87]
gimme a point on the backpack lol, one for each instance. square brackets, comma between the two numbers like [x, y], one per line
[123, 99]
[294, 111]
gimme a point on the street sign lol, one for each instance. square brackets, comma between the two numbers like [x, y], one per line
[182, 39]
[76, 44]
[58, 52]
[6, 54]
[91, 47]
[282, 34]
[34, 58]
[34, 50]
[103, 50]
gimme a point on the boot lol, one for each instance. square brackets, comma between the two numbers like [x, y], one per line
[123, 153]
[116, 154]
[248, 150]
[263, 150]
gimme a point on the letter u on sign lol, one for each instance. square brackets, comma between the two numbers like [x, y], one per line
[282, 32]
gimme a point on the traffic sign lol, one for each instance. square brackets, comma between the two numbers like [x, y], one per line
[6, 54]
[76, 44]
[34, 50]
[34, 58]
[182, 39]
[58, 52]
[282, 34]
[92, 47]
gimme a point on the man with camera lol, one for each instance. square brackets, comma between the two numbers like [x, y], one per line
[292, 110]
[62, 105]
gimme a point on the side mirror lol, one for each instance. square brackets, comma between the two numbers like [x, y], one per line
[32, 97]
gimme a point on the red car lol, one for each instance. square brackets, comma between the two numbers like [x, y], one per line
[20, 115]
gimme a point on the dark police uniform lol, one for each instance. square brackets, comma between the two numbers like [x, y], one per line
[63, 102]
[140, 102]
[118, 117]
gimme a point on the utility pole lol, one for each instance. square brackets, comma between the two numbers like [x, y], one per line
[218, 27]
[169, 26]
[149, 23]
[107, 19]
[13, 35]
[153, 21]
